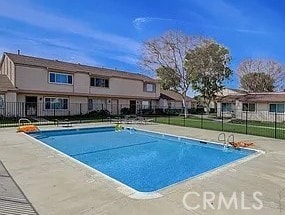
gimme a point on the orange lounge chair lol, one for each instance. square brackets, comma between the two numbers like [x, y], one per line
[27, 128]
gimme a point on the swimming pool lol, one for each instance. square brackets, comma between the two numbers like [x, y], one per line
[142, 160]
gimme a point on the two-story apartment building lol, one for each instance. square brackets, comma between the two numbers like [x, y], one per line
[40, 87]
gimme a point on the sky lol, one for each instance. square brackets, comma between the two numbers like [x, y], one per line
[109, 33]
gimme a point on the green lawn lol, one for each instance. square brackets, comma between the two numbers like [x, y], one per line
[253, 128]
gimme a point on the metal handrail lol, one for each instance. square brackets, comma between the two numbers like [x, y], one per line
[233, 137]
[224, 137]
[25, 120]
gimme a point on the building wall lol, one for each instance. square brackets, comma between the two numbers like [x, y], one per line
[37, 79]
[261, 113]
[164, 103]
[8, 68]
[226, 114]
[125, 87]
[76, 105]
[10, 106]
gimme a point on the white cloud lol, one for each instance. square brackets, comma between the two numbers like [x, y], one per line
[141, 21]
[138, 22]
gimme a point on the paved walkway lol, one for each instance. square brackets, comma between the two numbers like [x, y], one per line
[12, 199]
[57, 185]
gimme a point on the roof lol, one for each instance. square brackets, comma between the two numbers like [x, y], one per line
[6, 84]
[171, 95]
[256, 97]
[230, 98]
[73, 67]
[236, 90]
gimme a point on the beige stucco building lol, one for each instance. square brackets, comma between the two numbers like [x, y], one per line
[41, 87]
[268, 106]
[173, 100]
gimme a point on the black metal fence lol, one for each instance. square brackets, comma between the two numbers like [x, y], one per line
[261, 122]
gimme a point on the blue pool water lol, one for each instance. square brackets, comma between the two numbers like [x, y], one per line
[142, 160]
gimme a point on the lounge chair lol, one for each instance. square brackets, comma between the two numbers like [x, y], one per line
[64, 123]
[143, 120]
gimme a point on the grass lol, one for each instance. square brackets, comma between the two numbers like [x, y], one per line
[253, 128]
[266, 129]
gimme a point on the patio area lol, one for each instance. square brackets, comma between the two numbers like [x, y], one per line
[55, 184]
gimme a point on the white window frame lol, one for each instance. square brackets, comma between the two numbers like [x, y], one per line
[52, 109]
[255, 106]
[146, 106]
[100, 78]
[60, 73]
[225, 110]
[276, 108]
[146, 87]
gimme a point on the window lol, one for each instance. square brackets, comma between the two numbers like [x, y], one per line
[56, 103]
[98, 104]
[99, 82]
[60, 78]
[226, 107]
[248, 107]
[145, 104]
[278, 108]
[1, 101]
[149, 87]
[90, 104]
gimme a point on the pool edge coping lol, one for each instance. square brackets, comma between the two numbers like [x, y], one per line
[135, 194]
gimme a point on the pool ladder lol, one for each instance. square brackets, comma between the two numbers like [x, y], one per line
[226, 141]
[24, 121]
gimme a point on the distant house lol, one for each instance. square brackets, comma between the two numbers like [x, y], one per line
[226, 91]
[230, 91]
[253, 106]
[173, 100]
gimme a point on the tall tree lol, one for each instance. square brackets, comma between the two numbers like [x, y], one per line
[168, 78]
[258, 75]
[209, 66]
[257, 82]
[166, 55]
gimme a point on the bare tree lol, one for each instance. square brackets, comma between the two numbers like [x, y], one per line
[166, 55]
[260, 75]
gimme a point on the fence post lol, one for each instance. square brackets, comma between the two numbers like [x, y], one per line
[222, 119]
[202, 119]
[102, 115]
[184, 118]
[275, 125]
[246, 131]
[110, 115]
[169, 116]
[80, 109]
[155, 114]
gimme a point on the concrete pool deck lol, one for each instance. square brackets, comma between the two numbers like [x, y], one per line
[55, 184]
